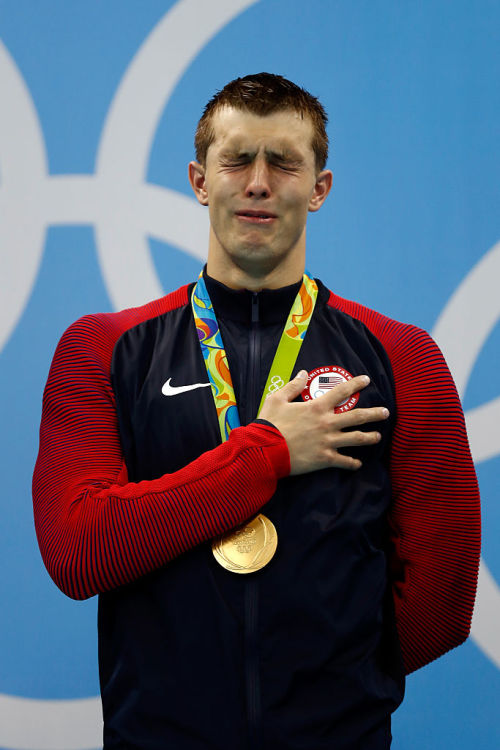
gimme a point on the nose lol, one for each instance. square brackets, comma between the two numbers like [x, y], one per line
[258, 184]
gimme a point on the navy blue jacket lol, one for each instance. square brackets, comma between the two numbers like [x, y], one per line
[131, 485]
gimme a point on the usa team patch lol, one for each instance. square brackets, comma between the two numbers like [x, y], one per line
[323, 379]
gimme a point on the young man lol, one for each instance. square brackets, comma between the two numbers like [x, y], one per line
[350, 505]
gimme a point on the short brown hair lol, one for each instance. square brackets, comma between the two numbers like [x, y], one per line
[263, 94]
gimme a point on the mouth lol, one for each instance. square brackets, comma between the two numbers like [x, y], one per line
[252, 216]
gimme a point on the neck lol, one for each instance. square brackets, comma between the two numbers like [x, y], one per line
[235, 277]
[253, 283]
[256, 268]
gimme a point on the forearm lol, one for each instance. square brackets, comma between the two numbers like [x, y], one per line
[97, 530]
[97, 534]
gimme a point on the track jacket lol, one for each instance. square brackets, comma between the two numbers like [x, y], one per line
[375, 570]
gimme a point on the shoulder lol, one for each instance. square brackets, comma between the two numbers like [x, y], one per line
[422, 378]
[392, 333]
[405, 344]
[93, 337]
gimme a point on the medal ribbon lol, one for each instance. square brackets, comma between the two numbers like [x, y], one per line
[215, 357]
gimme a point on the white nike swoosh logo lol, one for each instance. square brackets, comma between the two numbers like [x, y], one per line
[174, 390]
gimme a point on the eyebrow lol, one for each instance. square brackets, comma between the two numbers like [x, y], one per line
[285, 154]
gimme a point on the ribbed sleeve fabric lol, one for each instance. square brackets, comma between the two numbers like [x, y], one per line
[435, 516]
[95, 529]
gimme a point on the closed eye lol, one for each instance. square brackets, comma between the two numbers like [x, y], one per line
[235, 159]
[284, 162]
[287, 166]
[234, 163]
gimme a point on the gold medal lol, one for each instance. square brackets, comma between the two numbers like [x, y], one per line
[247, 548]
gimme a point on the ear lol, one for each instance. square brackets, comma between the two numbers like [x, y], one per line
[196, 173]
[323, 185]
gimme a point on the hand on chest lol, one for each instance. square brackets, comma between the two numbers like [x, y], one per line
[170, 416]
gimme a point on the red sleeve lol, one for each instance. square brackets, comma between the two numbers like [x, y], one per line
[95, 529]
[435, 518]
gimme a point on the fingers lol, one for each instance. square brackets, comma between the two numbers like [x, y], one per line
[331, 456]
[336, 396]
[314, 432]
[321, 458]
[357, 438]
[342, 392]
[354, 417]
[357, 417]
[327, 403]
[293, 388]
[339, 461]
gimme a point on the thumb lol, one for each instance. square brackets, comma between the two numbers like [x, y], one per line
[295, 386]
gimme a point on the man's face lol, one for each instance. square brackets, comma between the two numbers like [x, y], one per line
[259, 182]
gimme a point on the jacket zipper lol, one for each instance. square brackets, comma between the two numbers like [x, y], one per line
[252, 677]
[254, 358]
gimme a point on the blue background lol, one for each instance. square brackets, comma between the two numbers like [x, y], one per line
[412, 94]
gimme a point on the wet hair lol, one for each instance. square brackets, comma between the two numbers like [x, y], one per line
[263, 94]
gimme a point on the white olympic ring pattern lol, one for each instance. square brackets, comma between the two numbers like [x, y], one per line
[125, 210]
[275, 384]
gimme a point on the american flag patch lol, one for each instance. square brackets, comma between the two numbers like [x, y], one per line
[323, 379]
[329, 381]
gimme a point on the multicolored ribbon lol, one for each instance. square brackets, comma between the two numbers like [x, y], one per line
[215, 357]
